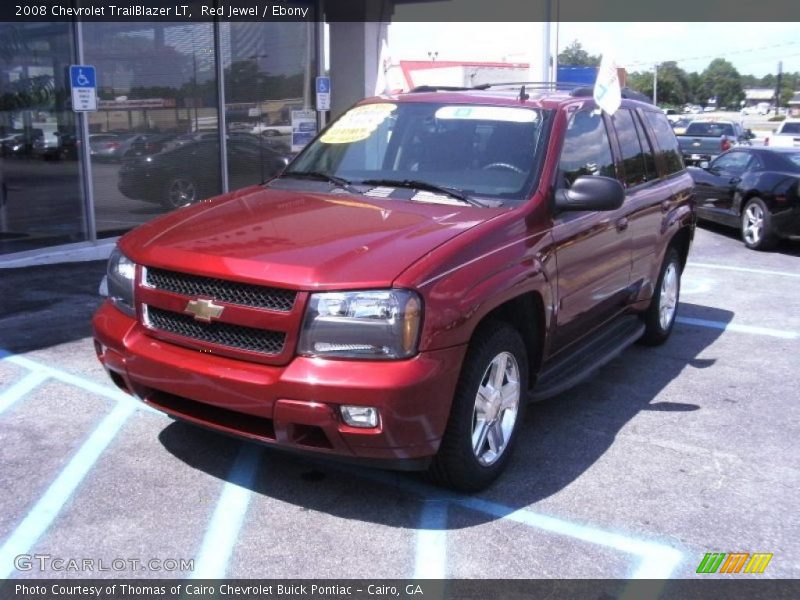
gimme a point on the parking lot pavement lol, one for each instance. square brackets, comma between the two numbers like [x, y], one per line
[666, 454]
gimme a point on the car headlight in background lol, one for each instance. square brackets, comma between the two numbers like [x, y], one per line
[120, 279]
[376, 324]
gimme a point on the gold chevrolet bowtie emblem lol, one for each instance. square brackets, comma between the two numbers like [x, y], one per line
[203, 310]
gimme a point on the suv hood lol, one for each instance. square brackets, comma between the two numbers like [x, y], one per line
[300, 240]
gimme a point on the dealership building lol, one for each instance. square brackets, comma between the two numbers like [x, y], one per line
[185, 111]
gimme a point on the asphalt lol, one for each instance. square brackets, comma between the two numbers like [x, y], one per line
[666, 454]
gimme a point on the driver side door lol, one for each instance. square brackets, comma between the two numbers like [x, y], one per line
[716, 185]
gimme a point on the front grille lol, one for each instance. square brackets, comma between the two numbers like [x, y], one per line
[231, 292]
[224, 334]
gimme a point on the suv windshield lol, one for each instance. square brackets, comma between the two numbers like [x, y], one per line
[478, 150]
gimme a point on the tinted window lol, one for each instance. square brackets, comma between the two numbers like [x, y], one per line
[647, 146]
[631, 148]
[792, 128]
[666, 141]
[586, 149]
[710, 129]
[733, 162]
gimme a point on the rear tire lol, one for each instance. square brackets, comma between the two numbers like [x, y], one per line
[659, 318]
[487, 411]
[757, 230]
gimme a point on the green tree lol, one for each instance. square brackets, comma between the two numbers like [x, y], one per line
[722, 81]
[575, 56]
[673, 84]
[695, 82]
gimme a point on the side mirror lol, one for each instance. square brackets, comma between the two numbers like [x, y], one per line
[591, 192]
[704, 165]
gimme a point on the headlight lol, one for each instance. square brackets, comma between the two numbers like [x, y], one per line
[121, 274]
[379, 324]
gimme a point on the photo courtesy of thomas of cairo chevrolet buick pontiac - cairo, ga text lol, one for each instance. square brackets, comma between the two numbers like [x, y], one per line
[427, 267]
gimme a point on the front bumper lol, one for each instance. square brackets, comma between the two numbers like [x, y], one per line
[295, 406]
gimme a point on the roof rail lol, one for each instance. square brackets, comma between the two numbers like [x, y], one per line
[446, 88]
[626, 92]
[552, 85]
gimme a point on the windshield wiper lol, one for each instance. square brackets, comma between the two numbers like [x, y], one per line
[320, 176]
[426, 186]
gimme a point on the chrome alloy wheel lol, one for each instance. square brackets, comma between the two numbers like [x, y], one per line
[182, 192]
[753, 226]
[668, 300]
[496, 409]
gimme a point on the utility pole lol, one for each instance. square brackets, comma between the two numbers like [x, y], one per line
[778, 86]
[655, 84]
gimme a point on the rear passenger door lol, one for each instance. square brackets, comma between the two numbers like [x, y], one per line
[646, 195]
[593, 253]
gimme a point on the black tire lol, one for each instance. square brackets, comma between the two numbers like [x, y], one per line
[657, 329]
[180, 191]
[756, 226]
[457, 465]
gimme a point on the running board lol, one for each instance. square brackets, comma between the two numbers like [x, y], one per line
[571, 369]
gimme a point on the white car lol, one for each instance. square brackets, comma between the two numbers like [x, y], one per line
[787, 135]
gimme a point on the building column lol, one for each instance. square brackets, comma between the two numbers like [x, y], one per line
[355, 48]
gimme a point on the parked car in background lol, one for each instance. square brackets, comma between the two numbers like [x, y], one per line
[425, 267]
[786, 135]
[704, 139]
[679, 125]
[190, 172]
[754, 189]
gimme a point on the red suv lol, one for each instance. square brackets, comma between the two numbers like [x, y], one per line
[429, 264]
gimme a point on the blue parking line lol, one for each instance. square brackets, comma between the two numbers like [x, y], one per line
[776, 333]
[85, 384]
[20, 389]
[431, 550]
[44, 512]
[223, 529]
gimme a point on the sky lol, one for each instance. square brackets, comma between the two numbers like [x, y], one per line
[753, 48]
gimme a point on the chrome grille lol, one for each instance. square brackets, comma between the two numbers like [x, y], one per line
[223, 334]
[232, 292]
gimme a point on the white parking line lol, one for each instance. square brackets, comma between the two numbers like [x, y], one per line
[776, 333]
[743, 269]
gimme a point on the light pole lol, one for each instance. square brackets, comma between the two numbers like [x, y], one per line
[655, 84]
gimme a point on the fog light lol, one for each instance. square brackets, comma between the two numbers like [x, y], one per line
[360, 416]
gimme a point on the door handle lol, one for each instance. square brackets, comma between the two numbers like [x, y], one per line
[735, 180]
[665, 206]
[621, 224]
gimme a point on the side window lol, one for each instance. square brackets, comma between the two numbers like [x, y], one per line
[632, 155]
[733, 162]
[649, 155]
[586, 148]
[666, 140]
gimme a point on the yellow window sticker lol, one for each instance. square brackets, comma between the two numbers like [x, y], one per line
[357, 124]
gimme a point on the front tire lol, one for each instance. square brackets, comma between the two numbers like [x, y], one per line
[487, 411]
[660, 316]
[757, 230]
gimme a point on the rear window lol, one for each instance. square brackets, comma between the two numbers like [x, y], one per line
[791, 128]
[710, 129]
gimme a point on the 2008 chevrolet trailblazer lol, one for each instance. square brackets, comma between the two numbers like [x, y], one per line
[421, 270]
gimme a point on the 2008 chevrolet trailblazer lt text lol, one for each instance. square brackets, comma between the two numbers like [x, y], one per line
[427, 265]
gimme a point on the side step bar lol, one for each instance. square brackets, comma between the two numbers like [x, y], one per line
[569, 370]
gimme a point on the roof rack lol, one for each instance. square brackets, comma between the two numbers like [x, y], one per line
[577, 90]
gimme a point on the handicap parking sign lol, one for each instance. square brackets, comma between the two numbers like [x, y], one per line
[323, 93]
[83, 80]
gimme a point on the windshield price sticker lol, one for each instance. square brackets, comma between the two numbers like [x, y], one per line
[358, 124]
[488, 113]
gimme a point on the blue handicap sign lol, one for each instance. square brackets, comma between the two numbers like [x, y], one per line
[82, 76]
[323, 85]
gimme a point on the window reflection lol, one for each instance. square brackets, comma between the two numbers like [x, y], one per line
[149, 140]
[40, 193]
